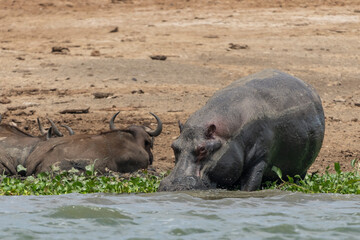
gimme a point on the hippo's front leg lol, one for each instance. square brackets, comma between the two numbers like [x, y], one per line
[251, 178]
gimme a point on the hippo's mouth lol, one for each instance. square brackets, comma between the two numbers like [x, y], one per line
[185, 183]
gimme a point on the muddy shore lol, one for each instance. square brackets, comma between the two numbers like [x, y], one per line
[169, 57]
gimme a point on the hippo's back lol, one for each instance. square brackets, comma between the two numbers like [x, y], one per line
[270, 94]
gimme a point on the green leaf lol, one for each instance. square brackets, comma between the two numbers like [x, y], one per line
[353, 162]
[21, 168]
[277, 171]
[337, 167]
[55, 168]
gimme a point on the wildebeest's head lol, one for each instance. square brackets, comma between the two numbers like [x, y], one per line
[144, 136]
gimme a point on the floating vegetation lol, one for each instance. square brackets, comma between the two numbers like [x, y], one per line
[338, 182]
[63, 182]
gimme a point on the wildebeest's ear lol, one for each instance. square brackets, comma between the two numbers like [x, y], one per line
[181, 126]
[210, 131]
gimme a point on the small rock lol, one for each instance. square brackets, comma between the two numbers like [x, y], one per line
[24, 113]
[332, 119]
[5, 100]
[134, 79]
[102, 95]
[95, 53]
[60, 50]
[334, 84]
[13, 124]
[339, 99]
[211, 36]
[16, 108]
[116, 29]
[238, 46]
[75, 111]
[158, 57]
[354, 119]
[137, 91]
[357, 104]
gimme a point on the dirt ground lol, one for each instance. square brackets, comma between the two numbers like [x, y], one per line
[55, 55]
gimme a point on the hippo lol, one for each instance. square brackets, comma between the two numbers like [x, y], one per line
[260, 121]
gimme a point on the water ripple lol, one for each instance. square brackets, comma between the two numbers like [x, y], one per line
[187, 215]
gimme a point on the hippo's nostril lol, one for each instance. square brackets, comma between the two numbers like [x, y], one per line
[183, 183]
[190, 182]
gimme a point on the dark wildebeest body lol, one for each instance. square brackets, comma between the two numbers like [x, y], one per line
[260, 121]
[118, 150]
[16, 145]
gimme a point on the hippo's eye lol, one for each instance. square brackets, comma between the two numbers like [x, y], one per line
[201, 150]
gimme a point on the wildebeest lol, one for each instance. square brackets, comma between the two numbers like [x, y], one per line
[117, 150]
[16, 145]
[257, 122]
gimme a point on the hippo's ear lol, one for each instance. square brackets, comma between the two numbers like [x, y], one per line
[210, 131]
[181, 126]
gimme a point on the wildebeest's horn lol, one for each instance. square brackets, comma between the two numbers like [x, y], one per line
[112, 126]
[71, 132]
[55, 129]
[42, 131]
[158, 130]
[49, 133]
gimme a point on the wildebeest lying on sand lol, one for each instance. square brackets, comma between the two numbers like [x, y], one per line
[16, 145]
[117, 150]
[257, 122]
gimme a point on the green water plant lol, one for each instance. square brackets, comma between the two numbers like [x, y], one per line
[89, 181]
[73, 181]
[338, 182]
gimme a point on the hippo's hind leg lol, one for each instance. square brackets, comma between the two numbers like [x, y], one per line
[251, 178]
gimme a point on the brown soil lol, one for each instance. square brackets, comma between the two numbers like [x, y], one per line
[67, 54]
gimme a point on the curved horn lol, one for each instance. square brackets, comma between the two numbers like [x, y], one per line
[49, 133]
[71, 132]
[158, 130]
[55, 129]
[42, 131]
[112, 126]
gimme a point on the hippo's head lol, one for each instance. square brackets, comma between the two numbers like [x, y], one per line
[204, 159]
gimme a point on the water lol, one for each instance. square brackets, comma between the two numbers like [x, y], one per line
[194, 215]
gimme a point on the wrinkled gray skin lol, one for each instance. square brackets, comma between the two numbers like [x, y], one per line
[117, 150]
[16, 145]
[266, 119]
